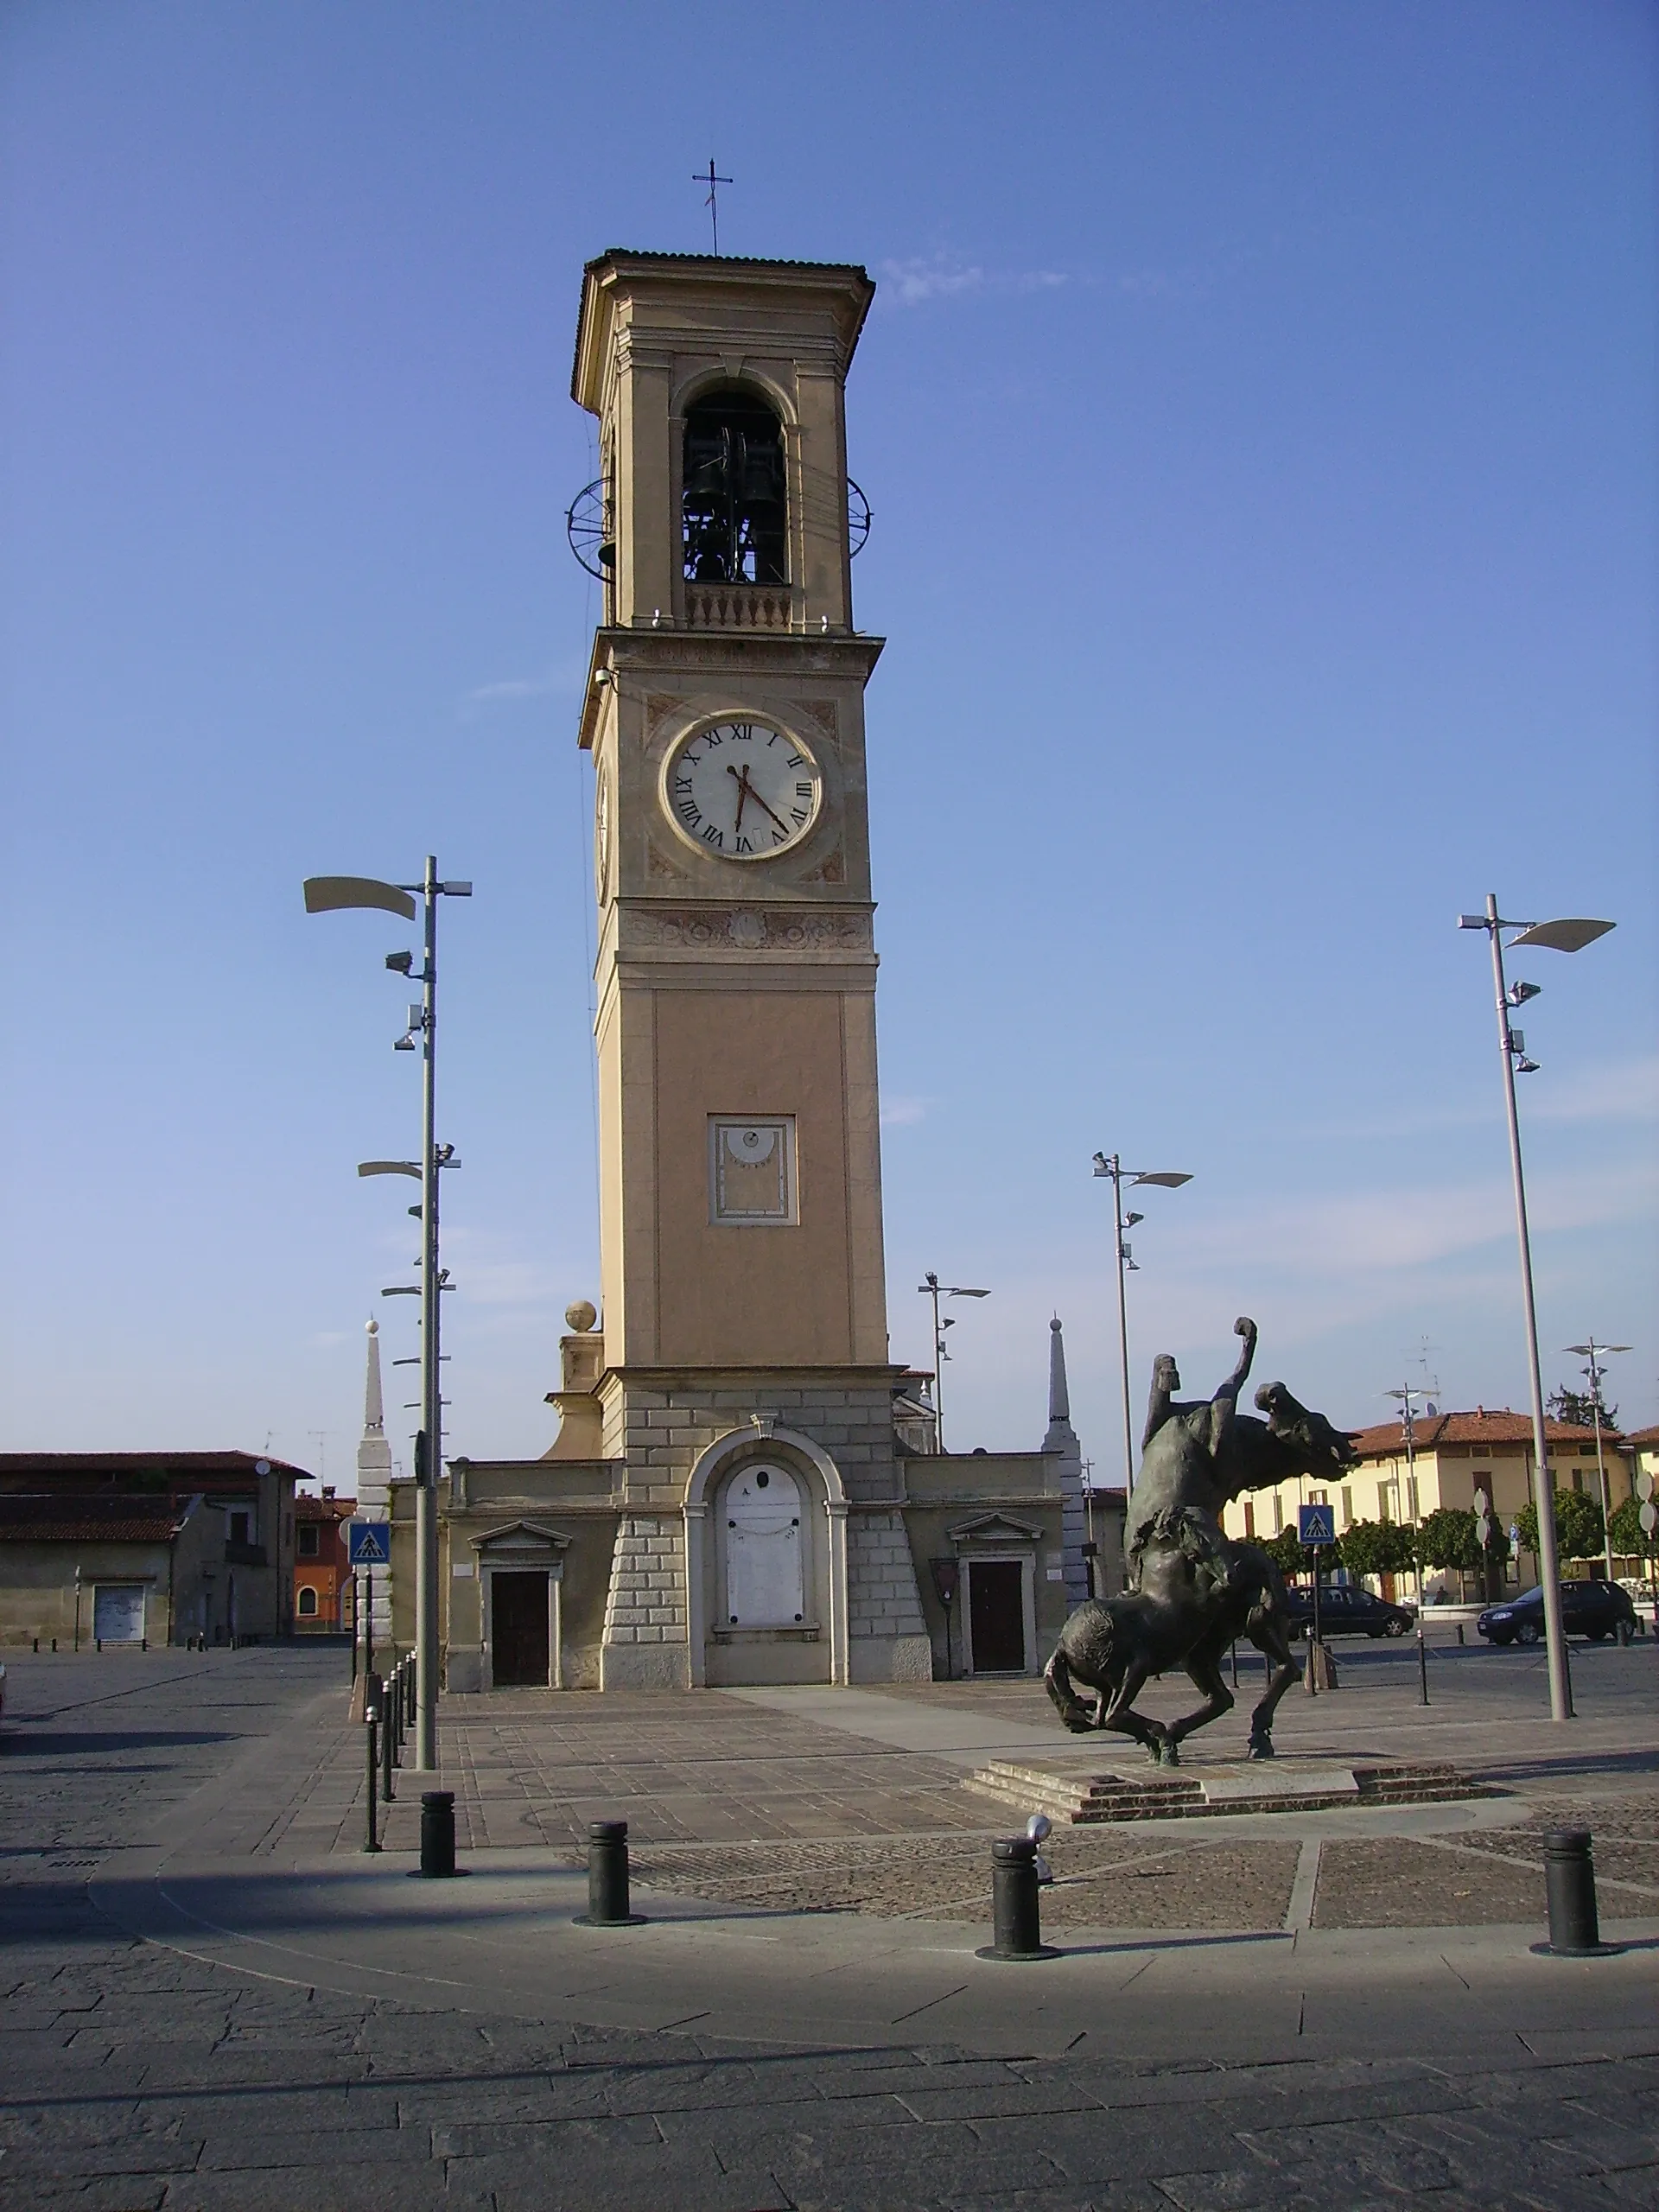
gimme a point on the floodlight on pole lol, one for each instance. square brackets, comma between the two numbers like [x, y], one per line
[1571, 935]
[1595, 1353]
[1409, 1436]
[329, 895]
[934, 1289]
[1161, 1178]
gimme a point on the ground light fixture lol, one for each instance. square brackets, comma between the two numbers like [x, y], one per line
[930, 1287]
[329, 894]
[1571, 935]
[1137, 1179]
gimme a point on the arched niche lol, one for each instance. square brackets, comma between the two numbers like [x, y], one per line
[725, 1487]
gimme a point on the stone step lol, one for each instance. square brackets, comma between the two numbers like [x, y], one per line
[1078, 1800]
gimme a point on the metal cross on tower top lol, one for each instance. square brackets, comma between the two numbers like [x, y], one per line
[712, 203]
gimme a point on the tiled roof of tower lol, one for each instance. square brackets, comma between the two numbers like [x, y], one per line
[727, 261]
[26, 1519]
[1501, 1426]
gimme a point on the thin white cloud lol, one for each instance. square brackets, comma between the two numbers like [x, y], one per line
[903, 1112]
[1378, 1231]
[562, 680]
[1614, 1091]
[917, 282]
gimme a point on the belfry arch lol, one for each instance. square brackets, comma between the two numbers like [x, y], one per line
[734, 500]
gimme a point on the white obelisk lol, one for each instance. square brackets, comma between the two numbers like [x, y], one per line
[1062, 1440]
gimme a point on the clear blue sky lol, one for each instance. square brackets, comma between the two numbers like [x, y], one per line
[1258, 413]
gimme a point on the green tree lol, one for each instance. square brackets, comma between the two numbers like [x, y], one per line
[1578, 1409]
[1630, 1539]
[1577, 1526]
[1285, 1552]
[1447, 1538]
[1377, 1547]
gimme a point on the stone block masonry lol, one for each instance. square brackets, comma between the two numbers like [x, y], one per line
[645, 1637]
[881, 1595]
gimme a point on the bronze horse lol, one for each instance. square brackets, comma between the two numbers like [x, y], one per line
[1193, 1590]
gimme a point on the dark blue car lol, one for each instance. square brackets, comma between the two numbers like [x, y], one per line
[1591, 1609]
[1346, 1610]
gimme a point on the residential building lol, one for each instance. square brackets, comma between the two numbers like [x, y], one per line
[1452, 1454]
[322, 1579]
[246, 1501]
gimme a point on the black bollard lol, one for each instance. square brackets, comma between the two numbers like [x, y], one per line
[1015, 1912]
[607, 1878]
[438, 1834]
[373, 1843]
[382, 1704]
[1422, 1665]
[1570, 1887]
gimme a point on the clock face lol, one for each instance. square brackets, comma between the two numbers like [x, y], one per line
[742, 790]
[601, 834]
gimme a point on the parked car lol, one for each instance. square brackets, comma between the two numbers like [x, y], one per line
[1591, 1609]
[1346, 1610]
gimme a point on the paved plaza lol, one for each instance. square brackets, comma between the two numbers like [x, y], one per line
[216, 1998]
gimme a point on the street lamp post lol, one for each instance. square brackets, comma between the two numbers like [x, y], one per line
[1126, 1265]
[1595, 1353]
[1563, 935]
[1409, 1433]
[326, 895]
[930, 1287]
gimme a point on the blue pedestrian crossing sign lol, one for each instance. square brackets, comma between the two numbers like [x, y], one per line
[1315, 1525]
[368, 1544]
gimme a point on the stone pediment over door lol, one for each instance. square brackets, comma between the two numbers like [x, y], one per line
[521, 1544]
[995, 1529]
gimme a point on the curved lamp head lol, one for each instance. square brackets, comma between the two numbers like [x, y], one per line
[326, 894]
[1562, 936]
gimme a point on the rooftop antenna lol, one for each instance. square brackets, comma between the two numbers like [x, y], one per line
[712, 203]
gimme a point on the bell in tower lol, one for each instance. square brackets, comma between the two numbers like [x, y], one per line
[733, 504]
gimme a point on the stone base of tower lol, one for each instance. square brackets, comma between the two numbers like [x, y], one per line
[887, 1634]
[748, 1528]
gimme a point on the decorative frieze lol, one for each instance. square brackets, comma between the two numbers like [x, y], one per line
[747, 928]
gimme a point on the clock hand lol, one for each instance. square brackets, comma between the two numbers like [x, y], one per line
[742, 775]
[755, 796]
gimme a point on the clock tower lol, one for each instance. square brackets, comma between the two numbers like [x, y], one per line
[741, 1383]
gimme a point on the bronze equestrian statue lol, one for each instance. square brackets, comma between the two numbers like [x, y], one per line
[1192, 1589]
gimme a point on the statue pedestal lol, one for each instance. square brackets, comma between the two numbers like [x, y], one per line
[1087, 1783]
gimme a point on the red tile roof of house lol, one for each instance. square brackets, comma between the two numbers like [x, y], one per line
[1388, 1438]
[307, 1508]
[34, 1520]
[1642, 1436]
[192, 1470]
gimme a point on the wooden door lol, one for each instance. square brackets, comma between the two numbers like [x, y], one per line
[519, 1651]
[996, 1616]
